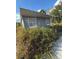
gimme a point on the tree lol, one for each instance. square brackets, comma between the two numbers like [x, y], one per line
[57, 18]
[57, 13]
[43, 11]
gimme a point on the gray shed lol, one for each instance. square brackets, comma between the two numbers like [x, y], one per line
[32, 19]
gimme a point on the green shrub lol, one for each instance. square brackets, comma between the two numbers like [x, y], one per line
[35, 43]
[41, 41]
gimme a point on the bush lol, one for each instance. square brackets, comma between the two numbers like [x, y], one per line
[41, 42]
[34, 43]
[20, 35]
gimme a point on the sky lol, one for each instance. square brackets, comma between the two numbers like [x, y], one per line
[33, 5]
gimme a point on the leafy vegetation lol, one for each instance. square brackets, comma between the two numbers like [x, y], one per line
[41, 41]
[57, 14]
[57, 19]
[34, 43]
[43, 11]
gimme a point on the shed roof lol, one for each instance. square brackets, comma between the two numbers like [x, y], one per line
[30, 13]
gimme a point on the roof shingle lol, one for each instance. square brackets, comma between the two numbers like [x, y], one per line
[30, 13]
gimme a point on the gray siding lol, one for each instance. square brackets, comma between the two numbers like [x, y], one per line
[41, 22]
[25, 20]
[35, 22]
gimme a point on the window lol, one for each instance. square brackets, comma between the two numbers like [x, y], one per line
[26, 22]
[47, 21]
[32, 22]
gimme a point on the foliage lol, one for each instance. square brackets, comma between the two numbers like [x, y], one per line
[43, 11]
[41, 42]
[18, 24]
[57, 14]
[57, 20]
[57, 11]
[34, 43]
[22, 43]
